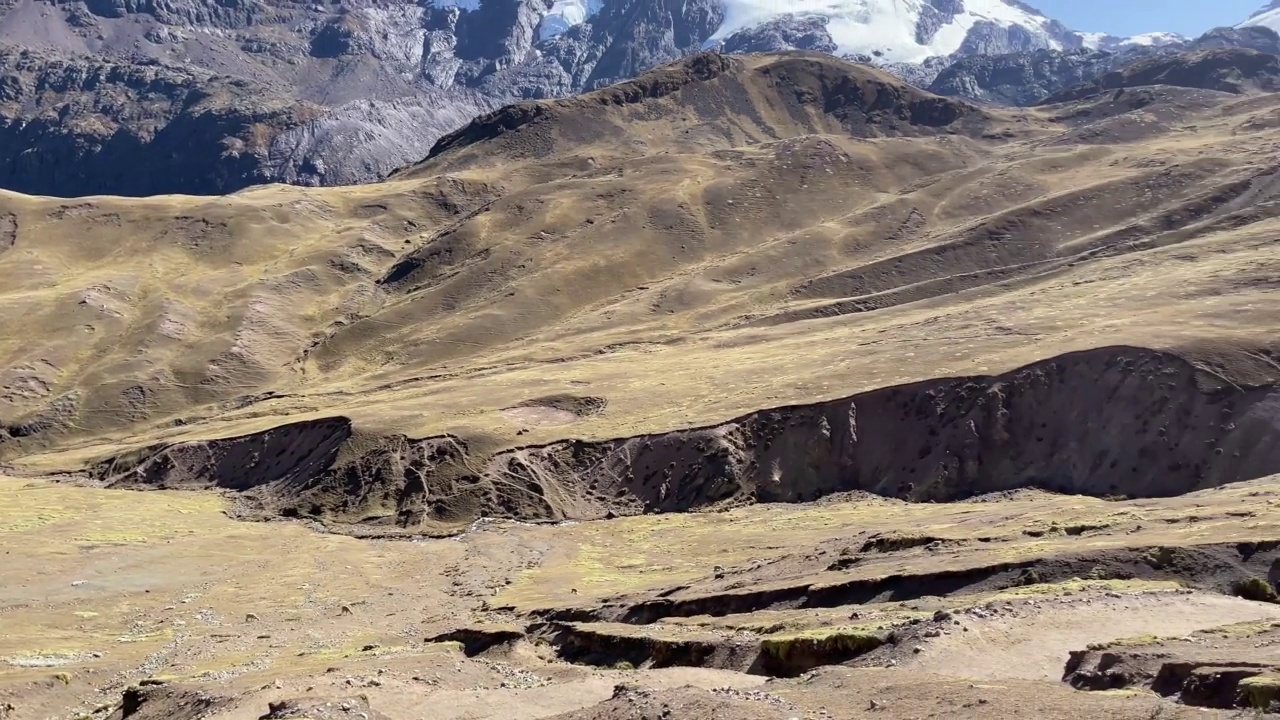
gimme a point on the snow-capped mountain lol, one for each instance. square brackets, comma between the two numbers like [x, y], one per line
[1111, 43]
[1268, 17]
[904, 30]
[888, 31]
[895, 31]
[355, 88]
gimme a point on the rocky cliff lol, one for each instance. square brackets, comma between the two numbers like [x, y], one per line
[1027, 78]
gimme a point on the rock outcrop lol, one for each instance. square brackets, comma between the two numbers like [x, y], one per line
[1232, 70]
[1027, 78]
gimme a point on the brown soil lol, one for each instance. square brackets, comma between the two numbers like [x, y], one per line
[203, 616]
[637, 702]
[555, 410]
[844, 693]
[1213, 567]
[162, 701]
[323, 709]
[1203, 668]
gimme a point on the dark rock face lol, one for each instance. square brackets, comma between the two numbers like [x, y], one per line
[209, 96]
[631, 36]
[97, 119]
[1255, 37]
[987, 38]
[1027, 78]
[1023, 78]
[788, 33]
[1232, 70]
[933, 16]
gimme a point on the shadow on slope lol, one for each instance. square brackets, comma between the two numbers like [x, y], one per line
[1112, 422]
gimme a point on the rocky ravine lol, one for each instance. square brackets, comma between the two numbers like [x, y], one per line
[206, 97]
[1111, 422]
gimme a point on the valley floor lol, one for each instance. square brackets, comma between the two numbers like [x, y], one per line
[825, 609]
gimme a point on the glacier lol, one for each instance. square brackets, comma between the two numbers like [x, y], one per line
[1153, 39]
[565, 14]
[885, 29]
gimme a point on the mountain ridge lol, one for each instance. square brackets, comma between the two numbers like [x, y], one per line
[1268, 16]
[372, 85]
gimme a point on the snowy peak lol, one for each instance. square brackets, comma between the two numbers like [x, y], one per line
[1268, 17]
[907, 30]
[912, 31]
[1103, 41]
[1155, 39]
[895, 33]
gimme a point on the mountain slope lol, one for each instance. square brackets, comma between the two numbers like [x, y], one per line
[1231, 70]
[380, 82]
[792, 95]
[1030, 77]
[569, 296]
[1024, 78]
[1268, 17]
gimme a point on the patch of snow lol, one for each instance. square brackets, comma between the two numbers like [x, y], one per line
[1105, 41]
[1094, 40]
[565, 14]
[1155, 39]
[1269, 18]
[884, 28]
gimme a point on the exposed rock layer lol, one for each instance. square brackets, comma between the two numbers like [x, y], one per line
[1118, 421]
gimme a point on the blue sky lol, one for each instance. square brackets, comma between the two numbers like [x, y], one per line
[1130, 17]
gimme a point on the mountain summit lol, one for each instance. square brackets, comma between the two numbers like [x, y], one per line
[911, 30]
[902, 31]
[1268, 17]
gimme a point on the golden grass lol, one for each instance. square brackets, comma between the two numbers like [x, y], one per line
[631, 554]
[179, 578]
[629, 307]
[1243, 629]
[876, 618]
[1260, 691]
[88, 515]
[824, 642]
[1078, 586]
